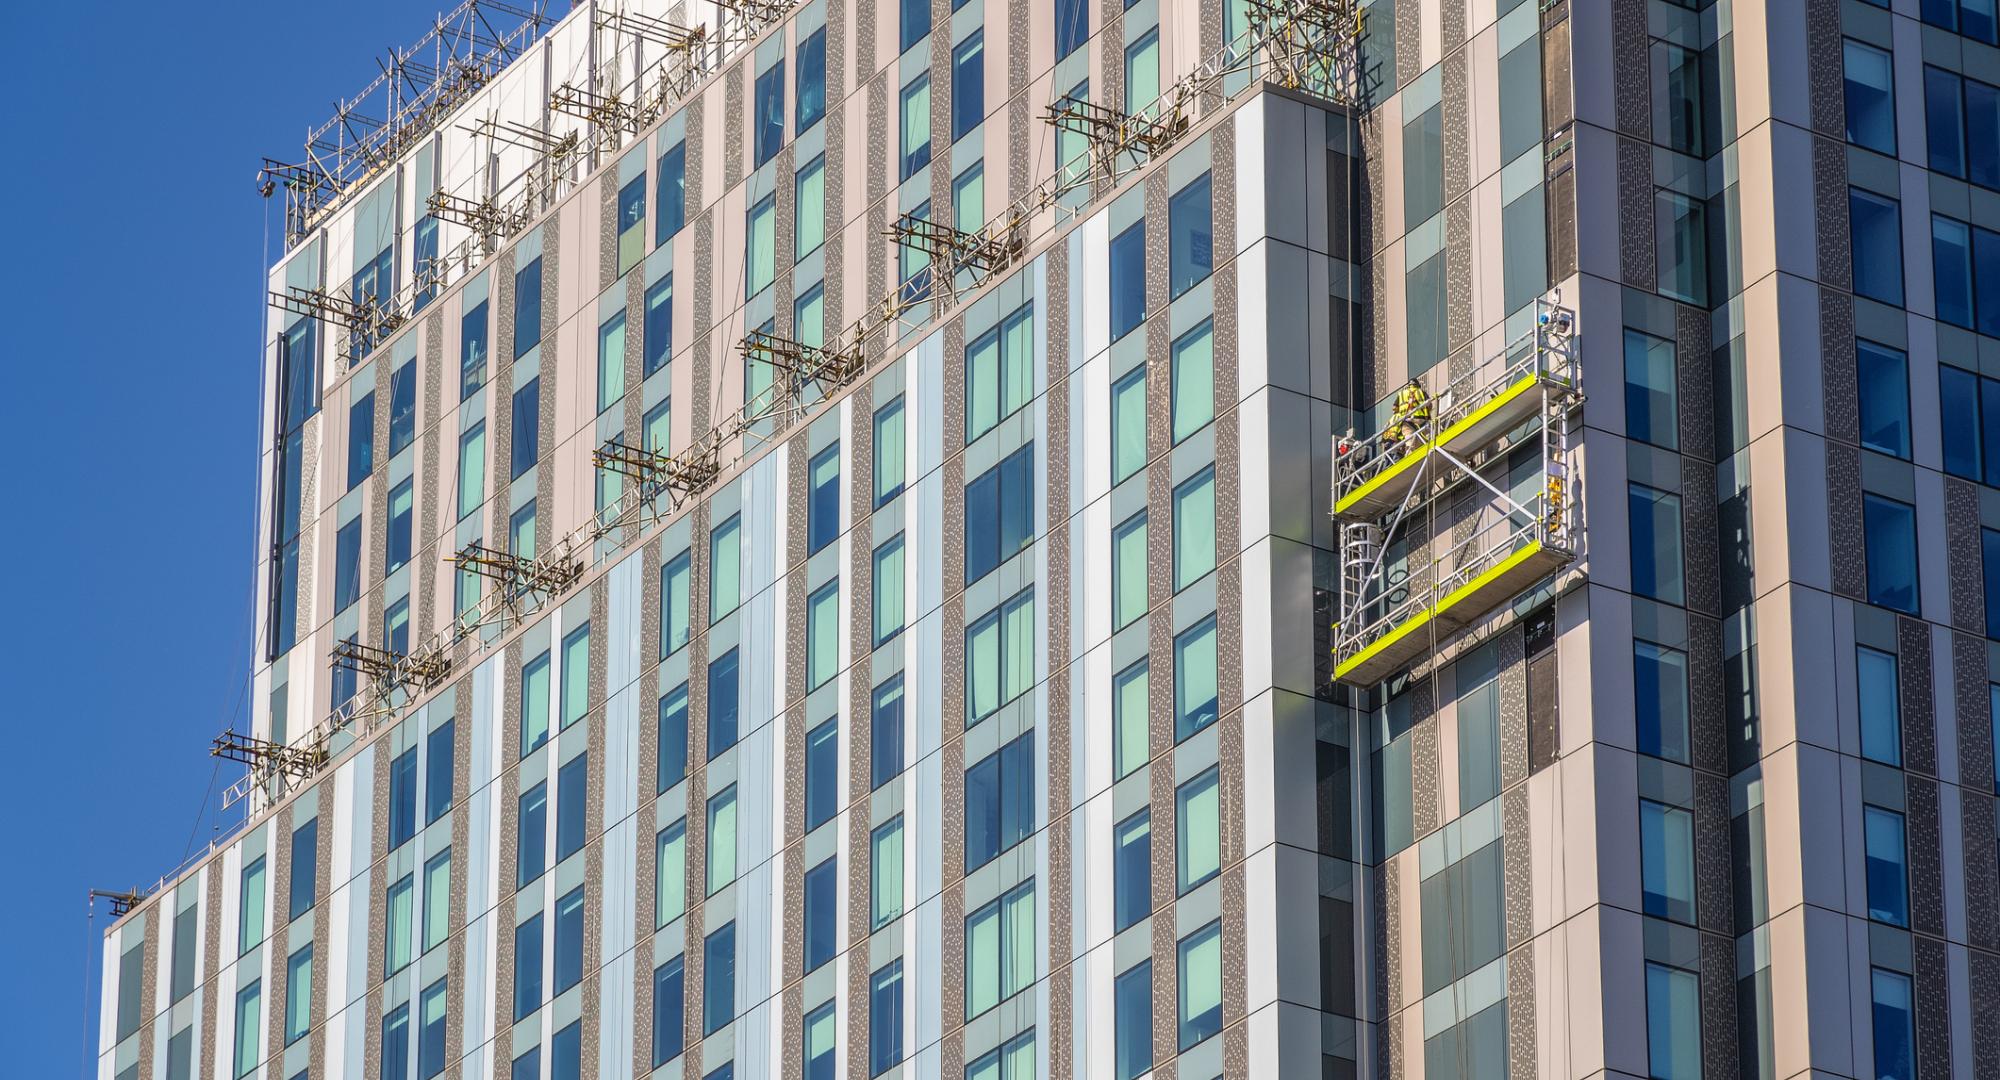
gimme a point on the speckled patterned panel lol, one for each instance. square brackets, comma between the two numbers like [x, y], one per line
[1166, 976]
[1458, 265]
[552, 390]
[1933, 993]
[1849, 568]
[864, 42]
[1713, 865]
[733, 117]
[373, 566]
[1513, 664]
[1517, 869]
[1695, 373]
[1699, 537]
[433, 451]
[1719, 1057]
[1984, 982]
[1964, 555]
[1165, 832]
[322, 936]
[1837, 374]
[1829, 165]
[951, 901]
[500, 396]
[1636, 263]
[1972, 705]
[149, 984]
[1457, 112]
[1409, 41]
[279, 860]
[607, 229]
[704, 283]
[1920, 795]
[593, 906]
[1374, 179]
[1389, 940]
[1521, 1044]
[309, 438]
[1424, 769]
[1229, 749]
[371, 1042]
[212, 956]
[642, 1005]
[1708, 726]
[378, 921]
[1826, 85]
[792, 897]
[1632, 69]
[1913, 679]
[1236, 1053]
[1982, 881]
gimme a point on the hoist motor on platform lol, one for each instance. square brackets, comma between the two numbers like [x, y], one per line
[1389, 489]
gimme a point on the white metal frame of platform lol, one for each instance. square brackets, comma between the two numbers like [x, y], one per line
[1390, 481]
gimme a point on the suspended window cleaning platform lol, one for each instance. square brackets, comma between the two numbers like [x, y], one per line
[1389, 488]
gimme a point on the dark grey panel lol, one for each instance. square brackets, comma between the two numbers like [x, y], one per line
[1913, 679]
[1843, 506]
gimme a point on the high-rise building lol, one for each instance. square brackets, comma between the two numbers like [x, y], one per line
[1177, 538]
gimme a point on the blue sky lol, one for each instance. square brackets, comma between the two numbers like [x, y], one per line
[131, 292]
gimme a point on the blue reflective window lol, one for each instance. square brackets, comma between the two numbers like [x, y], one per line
[529, 1065]
[823, 501]
[527, 308]
[305, 867]
[526, 447]
[669, 1011]
[572, 805]
[1888, 867]
[1132, 1020]
[429, 274]
[718, 978]
[812, 80]
[401, 511]
[1885, 398]
[770, 115]
[916, 22]
[569, 939]
[1880, 705]
[916, 116]
[1190, 235]
[347, 566]
[1990, 550]
[999, 801]
[1072, 25]
[527, 967]
[1892, 1010]
[722, 704]
[1128, 280]
[670, 210]
[396, 1044]
[671, 763]
[1660, 693]
[658, 343]
[1958, 404]
[532, 833]
[1890, 528]
[822, 773]
[999, 513]
[821, 900]
[360, 439]
[1877, 233]
[438, 752]
[402, 408]
[885, 745]
[1944, 122]
[1871, 98]
[473, 338]
[1132, 870]
[885, 1018]
[968, 84]
[566, 1053]
[402, 798]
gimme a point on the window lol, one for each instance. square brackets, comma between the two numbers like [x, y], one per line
[1660, 690]
[1190, 236]
[674, 579]
[722, 704]
[527, 308]
[1131, 745]
[1966, 271]
[1000, 950]
[631, 222]
[671, 211]
[1194, 380]
[1963, 121]
[887, 584]
[529, 1065]
[396, 1043]
[809, 317]
[669, 1011]
[1878, 246]
[1970, 409]
[1072, 25]
[527, 427]
[1013, 1061]
[402, 798]
[1990, 549]
[1681, 243]
[431, 1031]
[1132, 870]
[298, 993]
[1890, 528]
[1423, 166]
[1128, 571]
[1880, 708]
[527, 967]
[1201, 985]
[657, 345]
[401, 929]
[1656, 544]
[438, 750]
[671, 763]
[723, 561]
[809, 205]
[1142, 74]
[1072, 147]
[885, 1018]
[1673, 1023]
[999, 372]
[1973, 18]
[968, 198]
[131, 974]
[611, 362]
[532, 838]
[885, 867]
[471, 469]
[913, 264]
[521, 531]
[1000, 657]
[1194, 679]
[1128, 280]
[968, 84]
[721, 839]
[1871, 98]
[888, 451]
[437, 900]
[250, 927]
[1892, 1008]
[427, 272]
[1128, 424]
[1428, 336]
[360, 440]
[770, 116]
[534, 704]
[401, 499]
[1888, 869]
[1650, 392]
[569, 939]
[916, 22]
[347, 566]
[1198, 830]
[572, 805]
[1678, 85]
[670, 874]
[1133, 1020]
[885, 747]
[916, 144]
[999, 801]
[249, 1028]
[811, 91]
[762, 258]
[402, 408]
[821, 905]
[186, 926]
[823, 506]
[718, 979]
[822, 773]
[473, 337]
[305, 867]
[1884, 398]
[1666, 860]
[1194, 528]
[999, 513]
[819, 1042]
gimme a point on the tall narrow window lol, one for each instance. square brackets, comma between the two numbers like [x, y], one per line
[1194, 679]
[631, 222]
[360, 440]
[761, 260]
[670, 873]
[473, 341]
[669, 1010]
[1666, 860]
[572, 805]
[1989, 540]
[437, 900]
[1128, 280]
[968, 84]
[347, 566]
[1890, 531]
[887, 583]
[1651, 394]
[1000, 657]
[1129, 720]
[1678, 91]
[723, 561]
[534, 704]
[569, 939]
[1201, 985]
[770, 116]
[819, 1043]
[527, 308]
[576, 675]
[916, 22]
[888, 451]
[658, 344]
[527, 427]
[1681, 246]
[402, 798]
[472, 470]
[1142, 74]
[721, 839]
[999, 372]
[885, 1018]
[249, 1027]
[527, 968]
[431, 1030]
[298, 993]
[671, 764]
[821, 901]
[1892, 1008]
[250, 923]
[823, 499]
[1673, 1023]
[1198, 830]
[396, 1043]
[1132, 870]
[1000, 950]
[1194, 528]
[532, 835]
[809, 207]
[305, 867]
[999, 801]
[1660, 692]
[811, 91]
[718, 976]
[674, 578]
[671, 213]
[916, 145]
[1423, 166]
[402, 408]
[402, 499]
[723, 703]
[999, 513]
[885, 867]
[1871, 98]
[822, 773]
[1191, 236]
[1877, 234]
[1072, 25]
[809, 317]
[1132, 1020]
[885, 746]
[399, 925]
[1128, 424]
[1880, 708]
[1194, 380]
[611, 362]
[1128, 571]
[1951, 270]
[1656, 544]
[1888, 867]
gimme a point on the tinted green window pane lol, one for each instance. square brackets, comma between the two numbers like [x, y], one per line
[1194, 680]
[298, 994]
[1129, 708]
[983, 669]
[888, 451]
[437, 900]
[822, 637]
[611, 362]
[472, 470]
[982, 961]
[675, 604]
[811, 207]
[1198, 836]
[809, 320]
[1142, 73]
[535, 704]
[1128, 425]
[888, 584]
[1194, 529]
[982, 381]
[252, 920]
[249, 1028]
[1128, 575]
[722, 578]
[885, 863]
[721, 840]
[762, 255]
[396, 949]
[576, 676]
[1194, 381]
[670, 875]
[1201, 985]
[1017, 350]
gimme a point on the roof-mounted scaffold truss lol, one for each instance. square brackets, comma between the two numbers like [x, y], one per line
[366, 317]
[1390, 486]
